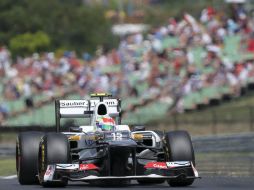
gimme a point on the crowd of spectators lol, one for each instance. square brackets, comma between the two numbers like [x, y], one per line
[48, 75]
[170, 71]
[174, 71]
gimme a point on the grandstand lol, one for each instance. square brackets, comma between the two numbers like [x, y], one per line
[183, 66]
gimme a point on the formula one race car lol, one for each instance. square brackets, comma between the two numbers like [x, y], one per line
[104, 152]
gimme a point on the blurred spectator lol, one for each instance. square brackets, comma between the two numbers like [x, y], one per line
[3, 112]
[4, 61]
[27, 88]
[250, 45]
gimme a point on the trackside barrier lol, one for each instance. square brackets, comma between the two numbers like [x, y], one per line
[16, 129]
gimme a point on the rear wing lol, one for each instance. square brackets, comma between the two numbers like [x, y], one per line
[85, 108]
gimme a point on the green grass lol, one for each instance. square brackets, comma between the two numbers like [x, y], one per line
[225, 164]
[7, 166]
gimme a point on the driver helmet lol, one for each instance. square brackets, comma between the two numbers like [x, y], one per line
[105, 123]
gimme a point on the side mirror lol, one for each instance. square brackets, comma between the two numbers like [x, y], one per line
[139, 128]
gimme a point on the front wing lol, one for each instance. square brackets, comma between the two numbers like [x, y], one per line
[154, 170]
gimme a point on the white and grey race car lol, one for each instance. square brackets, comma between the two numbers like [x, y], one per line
[103, 157]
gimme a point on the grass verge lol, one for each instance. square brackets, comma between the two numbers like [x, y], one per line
[7, 166]
[234, 164]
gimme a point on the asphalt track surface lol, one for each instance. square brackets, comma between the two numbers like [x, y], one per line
[220, 183]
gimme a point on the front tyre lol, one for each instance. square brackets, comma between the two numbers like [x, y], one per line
[178, 147]
[54, 149]
[27, 147]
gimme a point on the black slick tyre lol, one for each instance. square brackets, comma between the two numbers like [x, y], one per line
[178, 147]
[54, 149]
[27, 147]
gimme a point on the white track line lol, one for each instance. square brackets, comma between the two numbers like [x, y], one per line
[8, 177]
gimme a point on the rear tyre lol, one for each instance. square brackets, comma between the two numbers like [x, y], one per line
[27, 147]
[54, 149]
[178, 147]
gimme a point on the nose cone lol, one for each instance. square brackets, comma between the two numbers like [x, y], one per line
[122, 143]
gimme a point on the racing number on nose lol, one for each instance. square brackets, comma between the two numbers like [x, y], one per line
[117, 136]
